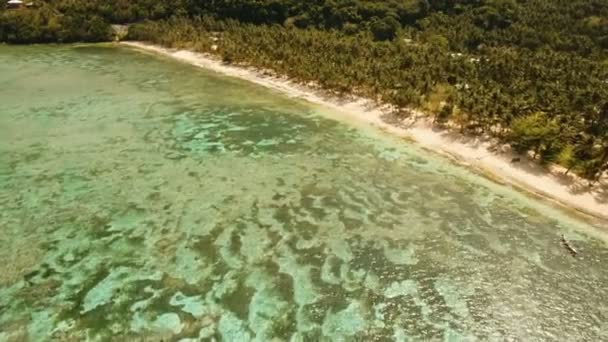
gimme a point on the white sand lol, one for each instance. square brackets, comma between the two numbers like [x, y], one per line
[552, 184]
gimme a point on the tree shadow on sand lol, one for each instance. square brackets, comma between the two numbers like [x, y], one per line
[493, 148]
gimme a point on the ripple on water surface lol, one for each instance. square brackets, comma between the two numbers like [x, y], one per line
[144, 198]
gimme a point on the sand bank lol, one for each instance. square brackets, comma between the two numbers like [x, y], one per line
[478, 153]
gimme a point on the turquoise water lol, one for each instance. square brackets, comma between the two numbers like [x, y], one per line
[143, 199]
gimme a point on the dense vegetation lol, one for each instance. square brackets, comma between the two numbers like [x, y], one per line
[78, 20]
[532, 73]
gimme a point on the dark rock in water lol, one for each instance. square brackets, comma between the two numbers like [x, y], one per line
[516, 160]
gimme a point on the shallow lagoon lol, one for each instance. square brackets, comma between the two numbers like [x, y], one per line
[140, 197]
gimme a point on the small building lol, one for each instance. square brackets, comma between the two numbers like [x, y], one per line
[15, 4]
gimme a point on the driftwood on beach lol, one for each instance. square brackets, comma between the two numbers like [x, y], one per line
[569, 247]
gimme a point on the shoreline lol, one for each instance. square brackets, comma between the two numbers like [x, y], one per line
[550, 183]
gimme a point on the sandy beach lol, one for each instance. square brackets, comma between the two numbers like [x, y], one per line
[478, 153]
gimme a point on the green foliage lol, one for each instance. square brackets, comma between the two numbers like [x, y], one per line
[438, 40]
[78, 20]
[350, 28]
[385, 29]
[535, 132]
[44, 25]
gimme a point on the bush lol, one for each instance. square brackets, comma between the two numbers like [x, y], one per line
[535, 132]
[385, 29]
[350, 28]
